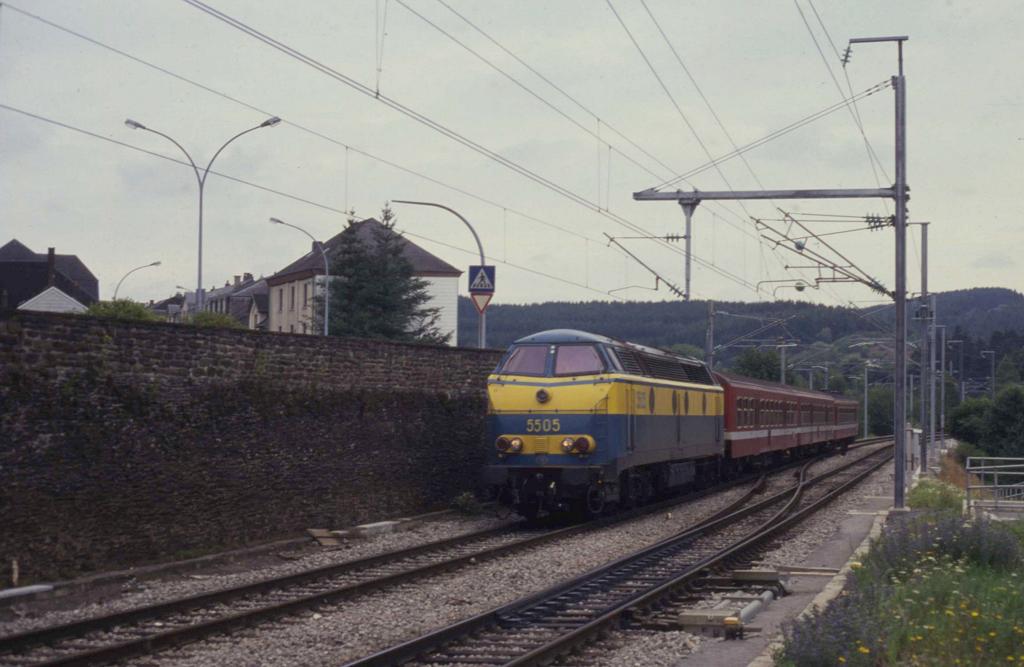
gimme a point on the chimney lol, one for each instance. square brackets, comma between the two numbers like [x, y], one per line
[247, 278]
[51, 267]
[238, 280]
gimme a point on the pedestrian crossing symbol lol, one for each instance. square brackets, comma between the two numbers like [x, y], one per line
[481, 279]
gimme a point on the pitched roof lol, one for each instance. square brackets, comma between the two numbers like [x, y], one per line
[69, 266]
[423, 262]
[53, 300]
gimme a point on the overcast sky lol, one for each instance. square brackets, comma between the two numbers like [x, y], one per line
[755, 62]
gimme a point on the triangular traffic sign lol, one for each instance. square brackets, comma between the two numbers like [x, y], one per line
[480, 300]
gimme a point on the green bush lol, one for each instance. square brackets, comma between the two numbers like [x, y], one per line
[933, 494]
[208, 319]
[467, 503]
[122, 309]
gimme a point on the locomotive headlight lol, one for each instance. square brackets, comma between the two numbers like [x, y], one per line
[502, 445]
[508, 445]
[581, 445]
[516, 445]
[567, 444]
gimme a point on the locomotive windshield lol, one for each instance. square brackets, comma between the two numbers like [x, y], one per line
[578, 360]
[565, 360]
[527, 360]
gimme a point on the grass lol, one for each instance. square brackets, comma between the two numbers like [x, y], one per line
[934, 494]
[933, 590]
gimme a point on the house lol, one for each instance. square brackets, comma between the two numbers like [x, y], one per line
[244, 299]
[293, 289]
[25, 274]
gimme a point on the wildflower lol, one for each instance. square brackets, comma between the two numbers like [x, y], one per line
[842, 659]
[974, 614]
[992, 634]
[863, 649]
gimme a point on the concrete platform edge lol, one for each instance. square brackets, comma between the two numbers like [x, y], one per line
[830, 592]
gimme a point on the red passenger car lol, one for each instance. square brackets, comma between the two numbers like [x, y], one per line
[765, 417]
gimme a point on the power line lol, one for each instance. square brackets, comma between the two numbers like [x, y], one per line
[855, 115]
[523, 86]
[757, 143]
[280, 193]
[298, 126]
[434, 125]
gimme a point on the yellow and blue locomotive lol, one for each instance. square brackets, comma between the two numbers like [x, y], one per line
[580, 421]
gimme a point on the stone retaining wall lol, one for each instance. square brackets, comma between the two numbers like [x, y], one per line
[126, 443]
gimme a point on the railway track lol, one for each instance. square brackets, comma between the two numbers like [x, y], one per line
[542, 627]
[146, 630]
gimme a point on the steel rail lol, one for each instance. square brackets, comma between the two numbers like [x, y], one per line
[421, 646]
[161, 639]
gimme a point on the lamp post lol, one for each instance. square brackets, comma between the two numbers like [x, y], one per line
[960, 374]
[201, 180]
[782, 360]
[144, 266]
[992, 355]
[482, 322]
[327, 269]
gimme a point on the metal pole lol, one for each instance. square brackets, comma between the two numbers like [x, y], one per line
[899, 82]
[709, 338]
[865, 400]
[782, 364]
[482, 321]
[962, 383]
[942, 393]
[925, 313]
[993, 375]
[688, 208]
[930, 444]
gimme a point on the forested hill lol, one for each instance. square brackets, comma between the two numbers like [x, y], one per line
[978, 312]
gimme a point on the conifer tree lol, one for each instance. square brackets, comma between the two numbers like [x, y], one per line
[374, 292]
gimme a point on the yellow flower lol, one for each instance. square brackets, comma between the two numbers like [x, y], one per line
[864, 649]
[974, 614]
[992, 634]
[842, 659]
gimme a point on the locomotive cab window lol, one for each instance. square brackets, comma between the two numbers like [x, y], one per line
[527, 360]
[578, 360]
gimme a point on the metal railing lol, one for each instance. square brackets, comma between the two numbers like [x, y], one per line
[995, 484]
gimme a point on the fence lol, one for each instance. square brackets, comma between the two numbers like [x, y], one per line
[995, 485]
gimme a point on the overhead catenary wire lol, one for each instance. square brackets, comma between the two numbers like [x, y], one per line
[437, 126]
[854, 114]
[264, 188]
[298, 126]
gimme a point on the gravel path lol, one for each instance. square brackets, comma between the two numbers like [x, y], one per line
[138, 593]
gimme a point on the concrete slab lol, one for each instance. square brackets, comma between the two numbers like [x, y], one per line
[828, 558]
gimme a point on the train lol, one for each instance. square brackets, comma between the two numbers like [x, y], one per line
[580, 422]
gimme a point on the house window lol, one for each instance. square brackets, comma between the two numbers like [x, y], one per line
[291, 298]
[280, 301]
[305, 296]
[279, 327]
[291, 327]
[303, 327]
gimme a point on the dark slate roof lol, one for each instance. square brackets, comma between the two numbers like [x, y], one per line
[423, 262]
[69, 266]
[262, 302]
[20, 281]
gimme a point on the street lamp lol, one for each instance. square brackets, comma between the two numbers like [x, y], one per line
[144, 266]
[201, 179]
[482, 322]
[327, 269]
[992, 355]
